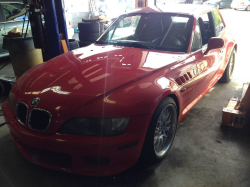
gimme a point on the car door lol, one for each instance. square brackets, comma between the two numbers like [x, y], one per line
[208, 64]
[217, 55]
[201, 60]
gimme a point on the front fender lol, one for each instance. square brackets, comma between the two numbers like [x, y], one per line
[137, 98]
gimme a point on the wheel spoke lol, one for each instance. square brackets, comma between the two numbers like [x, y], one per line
[169, 119]
[168, 128]
[160, 143]
[165, 137]
[155, 139]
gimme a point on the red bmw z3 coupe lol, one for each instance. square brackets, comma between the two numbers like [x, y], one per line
[98, 109]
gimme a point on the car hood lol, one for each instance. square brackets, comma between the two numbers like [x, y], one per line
[93, 70]
[73, 80]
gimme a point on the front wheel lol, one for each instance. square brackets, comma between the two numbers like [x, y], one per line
[229, 69]
[248, 8]
[161, 131]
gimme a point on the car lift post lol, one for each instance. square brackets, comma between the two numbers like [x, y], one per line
[55, 24]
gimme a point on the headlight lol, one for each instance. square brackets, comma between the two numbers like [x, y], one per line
[11, 101]
[95, 127]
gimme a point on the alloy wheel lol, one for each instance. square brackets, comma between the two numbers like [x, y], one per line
[164, 131]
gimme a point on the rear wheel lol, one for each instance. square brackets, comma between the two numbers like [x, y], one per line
[229, 69]
[248, 8]
[161, 131]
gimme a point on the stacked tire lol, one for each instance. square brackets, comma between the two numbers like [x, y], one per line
[89, 32]
[73, 44]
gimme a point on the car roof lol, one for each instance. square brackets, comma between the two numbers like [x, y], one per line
[187, 9]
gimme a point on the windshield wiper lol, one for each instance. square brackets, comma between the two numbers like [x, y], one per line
[143, 46]
[126, 44]
[101, 42]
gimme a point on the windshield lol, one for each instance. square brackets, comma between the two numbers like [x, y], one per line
[159, 31]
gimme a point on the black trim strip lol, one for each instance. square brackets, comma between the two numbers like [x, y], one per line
[127, 146]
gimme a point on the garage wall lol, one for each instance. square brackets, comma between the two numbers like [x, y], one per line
[76, 10]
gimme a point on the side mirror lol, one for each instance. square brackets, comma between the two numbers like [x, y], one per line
[214, 43]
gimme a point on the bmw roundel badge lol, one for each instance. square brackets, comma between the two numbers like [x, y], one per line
[35, 101]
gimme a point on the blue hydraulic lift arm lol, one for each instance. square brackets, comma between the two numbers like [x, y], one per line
[55, 23]
[61, 18]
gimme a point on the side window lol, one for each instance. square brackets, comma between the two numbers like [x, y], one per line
[218, 24]
[197, 42]
[205, 18]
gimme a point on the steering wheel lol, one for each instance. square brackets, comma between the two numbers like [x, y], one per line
[181, 38]
[132, 37]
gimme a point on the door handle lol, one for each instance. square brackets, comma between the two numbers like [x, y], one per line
[183, 89]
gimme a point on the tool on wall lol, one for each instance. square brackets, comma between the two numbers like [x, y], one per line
[93, 8]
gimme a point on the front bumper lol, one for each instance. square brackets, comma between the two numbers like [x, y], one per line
[238, 6]
[86, 155]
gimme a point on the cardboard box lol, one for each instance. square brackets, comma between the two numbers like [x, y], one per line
[235, 114]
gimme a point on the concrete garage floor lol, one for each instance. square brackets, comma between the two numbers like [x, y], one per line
[202, 153]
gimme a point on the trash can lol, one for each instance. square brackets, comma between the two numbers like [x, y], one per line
[23, 54]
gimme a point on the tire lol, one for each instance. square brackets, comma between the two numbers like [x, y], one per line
[88, 37]
[248, 8]
[5, 88]
[235, 9]
[84, 44]
[229, 69]
[73, 44]
[90, 27]
[152, 150]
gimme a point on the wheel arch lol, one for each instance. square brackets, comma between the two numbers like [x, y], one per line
[174, 97]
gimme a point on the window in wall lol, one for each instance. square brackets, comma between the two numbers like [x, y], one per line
[197, 42]
[12, 9]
